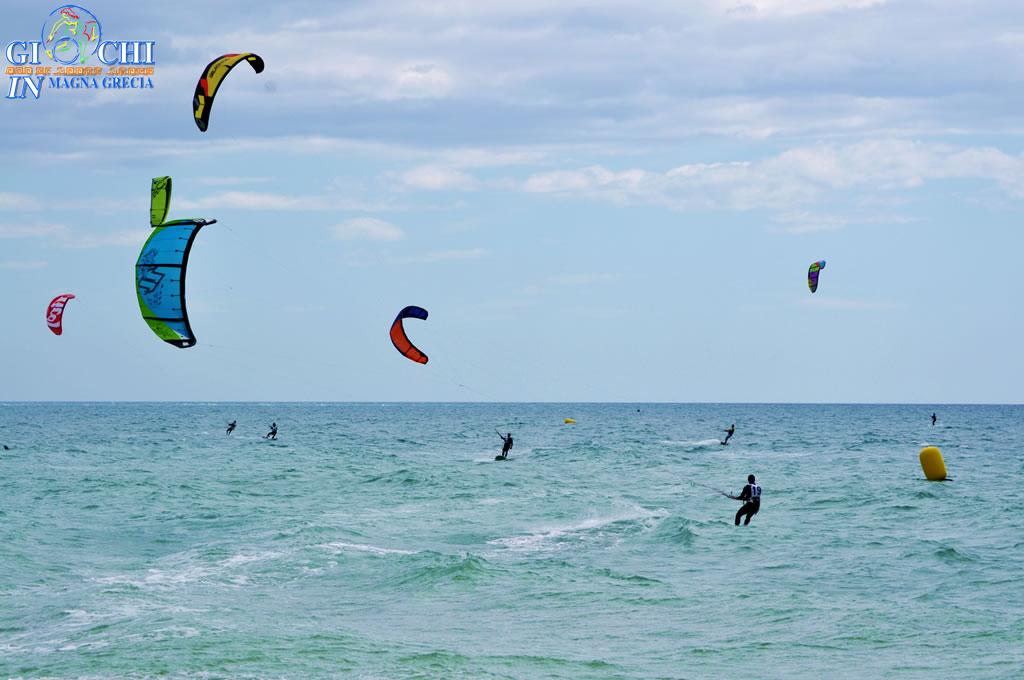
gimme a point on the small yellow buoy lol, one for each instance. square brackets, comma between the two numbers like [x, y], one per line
[932, 464]
[570, 421]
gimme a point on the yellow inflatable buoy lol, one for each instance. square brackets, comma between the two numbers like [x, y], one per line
[570, 421]
[932, 464]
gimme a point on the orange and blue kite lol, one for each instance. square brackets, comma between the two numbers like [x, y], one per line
[401, 340]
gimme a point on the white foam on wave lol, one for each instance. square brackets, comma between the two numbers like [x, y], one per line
[701, 443]
[342, 546]
[87, 644]
[549, 538]
[190, 572]
[160, 634]
[173, 632]
[246, 558]
[488, 456]
[159, 578]
[77, 620]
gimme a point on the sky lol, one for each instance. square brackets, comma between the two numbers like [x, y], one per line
[595, 201]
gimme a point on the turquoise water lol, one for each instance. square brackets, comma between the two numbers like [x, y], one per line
[383, 541]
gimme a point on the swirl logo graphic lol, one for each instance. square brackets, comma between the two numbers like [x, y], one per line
[71, 35]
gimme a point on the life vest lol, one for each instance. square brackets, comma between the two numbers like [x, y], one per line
[755, 493]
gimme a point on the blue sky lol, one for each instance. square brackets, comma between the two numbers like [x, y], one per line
[595, 201]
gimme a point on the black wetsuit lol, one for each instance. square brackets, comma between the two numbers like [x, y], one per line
[752, 495]
[507, 446]
[728, 435]
[273, 432]
[231, 426]
[933, 419]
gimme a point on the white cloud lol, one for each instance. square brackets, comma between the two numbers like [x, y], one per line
[10, 201]
[27, 230]
[367, 229]
[70, 238]
[787, 8]
[796, 177]
[438, 178]
[458, 156]
[123, 238]
[267, 201]
[415, 81]
[596, 179]
[626, 74]
[112, 149]
[252, 200]
[447, 171]
[364, 63]
[477, 157]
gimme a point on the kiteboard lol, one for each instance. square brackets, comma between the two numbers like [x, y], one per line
[501, 458]
[724, 443]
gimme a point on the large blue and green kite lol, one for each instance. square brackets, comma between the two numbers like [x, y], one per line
[160, 269]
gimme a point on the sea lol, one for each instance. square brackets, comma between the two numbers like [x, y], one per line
[383, 540]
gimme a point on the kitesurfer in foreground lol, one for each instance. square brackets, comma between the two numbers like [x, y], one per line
[729, 433]
[751, 497]
[506, 445]
[231, 426]
[273, 432]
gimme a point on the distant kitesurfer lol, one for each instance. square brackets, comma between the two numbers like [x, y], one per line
[273, 432]
[506, 445]
[933, 420]
[751, 497]
[729, 433]
[231, 426]
[6, 448]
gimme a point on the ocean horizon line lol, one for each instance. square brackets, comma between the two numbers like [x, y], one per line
[522, 402]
